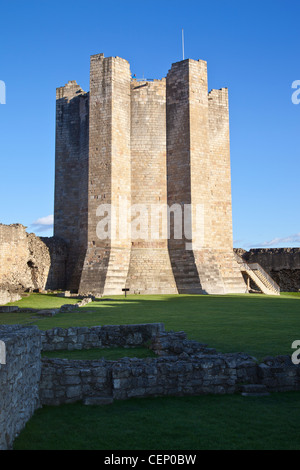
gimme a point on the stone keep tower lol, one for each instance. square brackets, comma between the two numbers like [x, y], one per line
[161, 144]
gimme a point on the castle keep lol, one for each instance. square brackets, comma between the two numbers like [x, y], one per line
[149, 143]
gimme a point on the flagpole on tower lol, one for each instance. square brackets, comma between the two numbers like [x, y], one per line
[182, 45]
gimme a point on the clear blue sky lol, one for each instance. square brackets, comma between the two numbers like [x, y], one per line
[252, 47]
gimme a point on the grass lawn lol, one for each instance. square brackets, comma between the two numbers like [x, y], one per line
[170, 423]
[97, 353]
[256, 324]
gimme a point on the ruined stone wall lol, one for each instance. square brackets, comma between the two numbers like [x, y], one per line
[66, 381]
[282, 264]
[19, 380]
[24, 259]
[279, 374]
[15, 273]
[29, 262]
[183, 367]
[76, 338]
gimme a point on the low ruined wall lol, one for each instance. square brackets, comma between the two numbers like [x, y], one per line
[183, 367]
[7, 296]
[169, 343]
[282, 264]
[19, 380]
[177, 376]
[66, 381]
[29, 262]
[76, 338]
[279, 374]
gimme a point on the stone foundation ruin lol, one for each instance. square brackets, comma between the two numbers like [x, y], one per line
[182, 367]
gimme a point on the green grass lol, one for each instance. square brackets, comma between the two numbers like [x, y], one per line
[171, 423]
[97, 353]
[256, 324]
[38, 301]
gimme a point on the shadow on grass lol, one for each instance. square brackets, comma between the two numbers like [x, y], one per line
[255, 324]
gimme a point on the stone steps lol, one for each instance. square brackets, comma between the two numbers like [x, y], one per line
[117, 271]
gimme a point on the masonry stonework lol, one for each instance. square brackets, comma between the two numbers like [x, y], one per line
[150, 268]
[106, 262]
[181, 367]
[162, 143]
[71, 175]
[19, 380]
[28, 262]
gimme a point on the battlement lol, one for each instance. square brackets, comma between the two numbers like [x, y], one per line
[69, 91]
[183, 62]
[218, 96]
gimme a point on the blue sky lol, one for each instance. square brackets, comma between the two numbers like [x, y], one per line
[252, 47]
